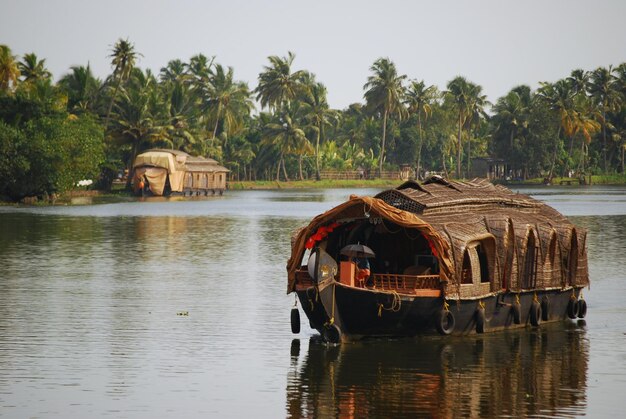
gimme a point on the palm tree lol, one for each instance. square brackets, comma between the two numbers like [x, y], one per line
[579, 80]
[81, 87]
[9, 70]
[277, 84]
[603, 91]
[510, 122]
[559, 97]
[418, 99]
[227, 101]
[136, 122]
[175, 70]
[459, 93]
[318, 115]
[286, 134]
[33, 69]
[476, 113]
[383, 93]
[123, 61]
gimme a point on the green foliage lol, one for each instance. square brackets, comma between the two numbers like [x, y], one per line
[52, 133]
[47, 153]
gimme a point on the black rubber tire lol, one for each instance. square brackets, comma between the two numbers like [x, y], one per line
[445, 322]
[332, 334]
[582, 309]
[535, 313]
[480, 320]
[295, 321]
[572, 308]
[545, 309]
[516, 309]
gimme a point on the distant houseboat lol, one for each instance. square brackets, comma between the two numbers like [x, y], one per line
[441, 256]
[165, 172]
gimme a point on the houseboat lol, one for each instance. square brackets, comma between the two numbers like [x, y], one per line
[440, 256]
[160, 172]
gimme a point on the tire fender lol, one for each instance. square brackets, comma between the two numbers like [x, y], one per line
[545, 309]
[582, 309]
[295, 320]
[516, 309]
[445, 322]
[480, 320]
[535, 313]
[572, 308]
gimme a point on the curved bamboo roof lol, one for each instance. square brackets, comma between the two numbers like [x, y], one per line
[456, 213]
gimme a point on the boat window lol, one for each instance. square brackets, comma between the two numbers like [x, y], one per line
[484, 264]
[466, 274]
[529, 278]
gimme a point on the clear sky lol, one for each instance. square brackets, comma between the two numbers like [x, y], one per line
[498, 44]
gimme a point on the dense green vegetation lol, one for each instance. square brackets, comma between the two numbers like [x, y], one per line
[55, 134]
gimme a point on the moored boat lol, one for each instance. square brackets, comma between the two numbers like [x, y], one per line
[443, 256]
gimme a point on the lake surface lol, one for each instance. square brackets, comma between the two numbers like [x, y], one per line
[177, 308]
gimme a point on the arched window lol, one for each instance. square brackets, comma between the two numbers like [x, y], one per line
[484, 263]
[466, 273]
[529, 278]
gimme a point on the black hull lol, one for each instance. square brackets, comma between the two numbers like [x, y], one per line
[350, 313]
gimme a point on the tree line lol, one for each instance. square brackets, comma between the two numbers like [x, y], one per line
[53, 134]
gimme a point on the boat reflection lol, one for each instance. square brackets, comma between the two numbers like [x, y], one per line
[518, 373]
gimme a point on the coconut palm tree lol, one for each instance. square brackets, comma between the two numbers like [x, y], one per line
[419, 100]
[579, 80]
[176, 70]
[459, 93]
[81, 88]
[318, 115]
[603, 91]
[227, 102]
[136, 119]
[33, 69]
[559, 97]
[288, 136]
[123, 59]
[277, 84]
[9, 70]
[475, 114]
[383, 94]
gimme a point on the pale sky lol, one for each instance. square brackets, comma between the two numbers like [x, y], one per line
[498, 44]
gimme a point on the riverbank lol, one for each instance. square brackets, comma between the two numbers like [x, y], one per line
[119, 193]
[314, 184]
[565, 181]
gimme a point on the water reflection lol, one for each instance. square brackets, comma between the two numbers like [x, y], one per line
[516, 374]
[89, 297]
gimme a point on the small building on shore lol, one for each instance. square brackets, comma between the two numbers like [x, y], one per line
[489, 168]
[162, 172]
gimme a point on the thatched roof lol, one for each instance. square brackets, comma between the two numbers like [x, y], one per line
[176, 160]
[455, 214]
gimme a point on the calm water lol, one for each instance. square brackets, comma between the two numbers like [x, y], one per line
[178, 309]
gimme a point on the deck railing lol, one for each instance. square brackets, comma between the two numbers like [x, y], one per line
[408, 284]
[405, 282]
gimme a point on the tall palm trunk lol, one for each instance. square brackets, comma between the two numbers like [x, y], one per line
[459, 148]
[419, 146]
[217, 118]
[282, 159]
[117, 87]
[300, 166]
[556, 145]
[469, 150]
[317, 155]
[445, 169]
[382, 149]
[606, 167]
